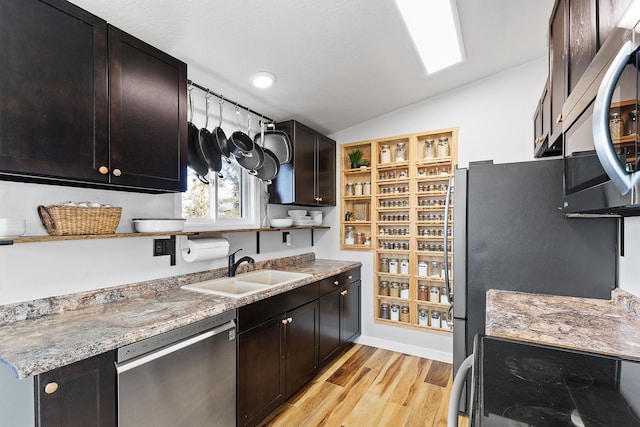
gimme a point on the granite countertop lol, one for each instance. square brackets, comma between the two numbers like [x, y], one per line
[610, 327]
[37, 336]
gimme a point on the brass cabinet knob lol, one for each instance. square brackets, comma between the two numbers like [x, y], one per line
[343, 293]
[284, 321]
[349, 277]
[318, 199]
[560, 118]
[289, 319]
[51, 388]
[336, 282]
[117, 172]
[103, 170]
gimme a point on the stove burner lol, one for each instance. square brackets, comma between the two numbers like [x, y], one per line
[547, 416]
[548, 372]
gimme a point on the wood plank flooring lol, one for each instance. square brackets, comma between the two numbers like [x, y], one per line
[368, 386]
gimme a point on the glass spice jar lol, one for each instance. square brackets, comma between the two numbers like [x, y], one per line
[385, 312]
[395, 312]
[404, 314]
[423, 317]
[616, 125]
[444, 298]
[423, 292]
[357, 189]
[429, 149]
[359, 238]
[435, 319]
[393, 266]
[384, 288]
[434, 294]
[394, 290]
[384, 265]
[385, 154]
[366, 188]
[349, 236]
[404, 290]
[443, 147]
[348, 190]
[400, 152]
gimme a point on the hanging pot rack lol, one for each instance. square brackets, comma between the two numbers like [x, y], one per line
[191, 83]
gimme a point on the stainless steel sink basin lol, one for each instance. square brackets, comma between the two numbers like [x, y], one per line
[271, 277]
[245, 284]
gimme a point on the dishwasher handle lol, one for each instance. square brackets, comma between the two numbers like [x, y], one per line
[124, 367]
[456, 391]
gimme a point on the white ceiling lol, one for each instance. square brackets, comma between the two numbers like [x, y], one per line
[338, 62]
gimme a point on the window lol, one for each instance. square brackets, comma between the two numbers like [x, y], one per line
[228, 201]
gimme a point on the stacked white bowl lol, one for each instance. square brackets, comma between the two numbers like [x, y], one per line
[300, 218]
[316, 217]
[12, 227]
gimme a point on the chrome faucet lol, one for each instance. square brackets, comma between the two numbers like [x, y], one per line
[233, 265]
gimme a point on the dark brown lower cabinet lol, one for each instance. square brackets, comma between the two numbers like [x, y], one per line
[339, 320]
[275, 359]
[78, 395]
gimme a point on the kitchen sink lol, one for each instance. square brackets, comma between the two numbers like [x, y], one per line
[246, 283]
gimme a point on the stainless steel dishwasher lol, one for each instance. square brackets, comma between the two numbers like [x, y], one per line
[185, 377]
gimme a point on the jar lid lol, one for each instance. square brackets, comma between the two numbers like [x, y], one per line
[384, 305]
[615, 115]
[435, 314]
[443, 139]
[385, 145]
[405, 308]
[429, 141]
[384, 283]
[404, 285]
[400, 144]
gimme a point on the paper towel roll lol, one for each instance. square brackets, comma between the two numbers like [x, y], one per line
[205, 249]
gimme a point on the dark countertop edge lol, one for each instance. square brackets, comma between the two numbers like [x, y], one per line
[58, 359]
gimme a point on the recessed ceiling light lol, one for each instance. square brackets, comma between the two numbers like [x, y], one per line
[435, 30]
[263, 79]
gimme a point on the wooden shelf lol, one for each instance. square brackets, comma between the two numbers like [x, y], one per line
[32, 239]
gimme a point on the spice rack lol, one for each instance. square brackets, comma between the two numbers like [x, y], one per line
[406, 223]
[624, 129]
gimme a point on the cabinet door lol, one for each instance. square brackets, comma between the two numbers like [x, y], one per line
[557, 78]
[261, 371]
[325, 171]
[85, 394]
[582, 39]
[301, 346]
[350, 310]
[147, 90]
[304, 152]
[329, 327]
[609, 13]
[53, 90]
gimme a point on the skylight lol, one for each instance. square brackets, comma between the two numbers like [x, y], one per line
[435, 30]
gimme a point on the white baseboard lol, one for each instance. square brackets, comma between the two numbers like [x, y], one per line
[428, 353]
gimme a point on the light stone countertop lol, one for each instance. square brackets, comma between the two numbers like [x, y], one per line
[37, 336]
[610, 327]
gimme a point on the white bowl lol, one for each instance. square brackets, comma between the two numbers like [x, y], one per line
[158, 225]
[297, 213]
[303, 222]
[317, 221]
[280, 222]
[12, 227]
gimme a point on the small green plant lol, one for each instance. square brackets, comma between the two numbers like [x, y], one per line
[355, 157]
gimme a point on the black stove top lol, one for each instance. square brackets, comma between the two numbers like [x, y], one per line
[520, 384]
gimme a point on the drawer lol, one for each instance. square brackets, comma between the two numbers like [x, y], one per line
[334, 282]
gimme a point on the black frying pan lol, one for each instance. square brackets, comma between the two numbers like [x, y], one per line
[207, 148]
[255, 160]
[194, 159]
[241, 144]
[270, 167]
[219, 137]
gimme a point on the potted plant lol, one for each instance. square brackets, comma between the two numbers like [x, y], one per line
[355, 157]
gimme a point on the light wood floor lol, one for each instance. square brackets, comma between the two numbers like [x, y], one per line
[369, 387]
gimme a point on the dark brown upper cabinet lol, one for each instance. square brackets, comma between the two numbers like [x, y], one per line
[557, 69]
[148, 128]
[310, 178]
[85, 104]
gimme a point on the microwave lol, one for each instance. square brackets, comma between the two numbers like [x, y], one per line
[601, 150]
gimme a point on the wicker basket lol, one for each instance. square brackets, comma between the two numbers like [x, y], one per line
[72, 220]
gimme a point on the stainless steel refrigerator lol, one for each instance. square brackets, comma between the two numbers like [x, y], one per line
[510, 234]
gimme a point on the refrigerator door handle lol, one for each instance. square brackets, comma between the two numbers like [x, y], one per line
[447, 207]
[456, 391]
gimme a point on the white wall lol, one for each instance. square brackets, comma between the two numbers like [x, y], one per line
[494, 116]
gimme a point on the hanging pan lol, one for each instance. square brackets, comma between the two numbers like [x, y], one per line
[270, 167]
[207, 147]
[241, 143]
[278, 142]
[194, 159]
[219, 137]
[256, 159]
